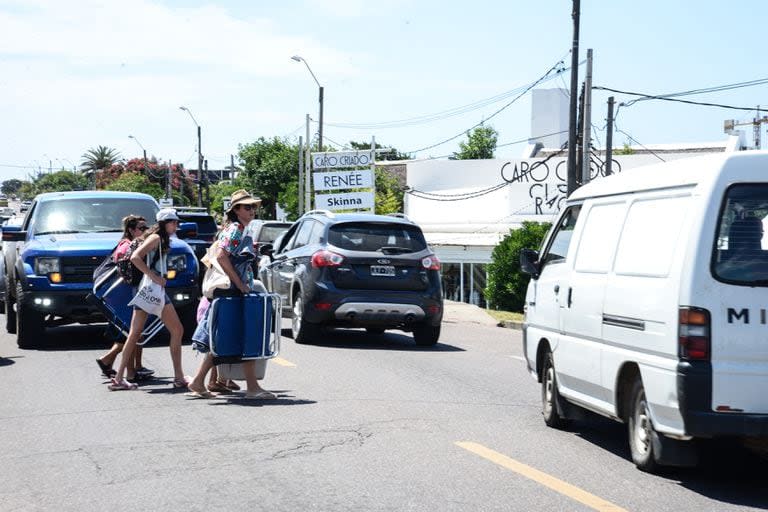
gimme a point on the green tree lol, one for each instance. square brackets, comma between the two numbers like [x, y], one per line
[481, 143]
[389, 191]
[289, 200]
[183, 186]
[269, 167]
[219, 191]
[98, 158]
[507, 283]
[11, 186]
[135, 182]
[61, 181]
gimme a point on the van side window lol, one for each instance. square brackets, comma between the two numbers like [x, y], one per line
[561, 239]
[597, 244]
[740, 255]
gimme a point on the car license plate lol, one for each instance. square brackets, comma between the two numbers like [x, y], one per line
[383, 270]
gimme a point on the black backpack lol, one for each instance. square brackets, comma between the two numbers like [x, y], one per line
[128, 270]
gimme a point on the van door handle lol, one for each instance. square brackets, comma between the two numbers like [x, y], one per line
[570, 295]
[557, 288]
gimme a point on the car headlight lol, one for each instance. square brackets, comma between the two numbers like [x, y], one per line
[177, 262]
[44, 266]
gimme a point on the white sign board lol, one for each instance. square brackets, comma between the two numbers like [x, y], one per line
[334, 180]
[337, 159]
[345, 201]
[227, 204]
[165, 202]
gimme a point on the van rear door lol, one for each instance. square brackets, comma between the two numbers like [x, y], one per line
[739, 265]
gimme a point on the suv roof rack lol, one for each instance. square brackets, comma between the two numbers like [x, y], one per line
[399, 215]
[326, 213]
[191, 209]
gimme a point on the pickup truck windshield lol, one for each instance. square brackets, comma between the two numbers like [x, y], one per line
[741, 249]
[89, 215]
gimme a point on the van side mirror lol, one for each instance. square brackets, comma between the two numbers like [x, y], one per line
[529, 262]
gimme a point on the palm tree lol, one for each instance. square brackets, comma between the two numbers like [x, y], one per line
[98, 158]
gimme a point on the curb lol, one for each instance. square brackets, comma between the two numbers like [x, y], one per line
[511, 324]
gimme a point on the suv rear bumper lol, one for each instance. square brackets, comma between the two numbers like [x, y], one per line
[374, 309]
[694, 388]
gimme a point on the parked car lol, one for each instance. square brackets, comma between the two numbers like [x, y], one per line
[64, 237]
[266, 231]
[6, 212]
[647, 305]
[356, 270]
[199, 239]
[25, 205]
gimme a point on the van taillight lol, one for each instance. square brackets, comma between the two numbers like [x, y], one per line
[326, 259]
[694, 334]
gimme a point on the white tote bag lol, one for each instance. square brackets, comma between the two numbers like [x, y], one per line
[214, 277]
[151, 296]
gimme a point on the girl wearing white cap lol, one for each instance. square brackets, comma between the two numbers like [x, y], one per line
[156, 238]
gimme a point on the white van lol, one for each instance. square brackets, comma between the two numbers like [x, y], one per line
[649, 304]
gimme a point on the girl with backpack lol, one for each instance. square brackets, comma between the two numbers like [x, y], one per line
[156, 239]
[134, 226]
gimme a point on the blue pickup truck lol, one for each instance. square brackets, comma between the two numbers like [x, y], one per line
[48, 261]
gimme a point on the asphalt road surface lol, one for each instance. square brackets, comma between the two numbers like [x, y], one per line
[361, 423]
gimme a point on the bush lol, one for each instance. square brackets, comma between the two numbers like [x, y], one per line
[506, 281]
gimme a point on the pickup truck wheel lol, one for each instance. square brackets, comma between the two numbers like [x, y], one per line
[302, 331]
[10, 313]
[30, 326]
[426, 335]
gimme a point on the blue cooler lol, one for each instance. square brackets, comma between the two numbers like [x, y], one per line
[258, 318]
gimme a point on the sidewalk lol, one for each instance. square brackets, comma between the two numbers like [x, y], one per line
[468, 313]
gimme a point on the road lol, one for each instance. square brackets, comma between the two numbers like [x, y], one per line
[362, 423]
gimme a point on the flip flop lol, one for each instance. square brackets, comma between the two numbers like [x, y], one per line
[261, 395]
[218, 387]
[106, 370]
[182, 383]
[200, 394]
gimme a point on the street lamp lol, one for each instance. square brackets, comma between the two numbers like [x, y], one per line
[200, 177]
[298, 58]
[142, 148]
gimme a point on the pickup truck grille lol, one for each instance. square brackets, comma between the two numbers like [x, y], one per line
[79, 269]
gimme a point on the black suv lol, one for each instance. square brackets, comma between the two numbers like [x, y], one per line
[356, 270]
[201, 239]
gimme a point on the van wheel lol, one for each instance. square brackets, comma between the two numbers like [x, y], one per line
[30, 325]
[550, 396]
[641, 430]
[10, 313]
[302, 331]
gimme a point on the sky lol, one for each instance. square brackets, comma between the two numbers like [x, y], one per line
[76, 74]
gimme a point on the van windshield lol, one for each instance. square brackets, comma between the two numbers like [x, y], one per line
[741, 251]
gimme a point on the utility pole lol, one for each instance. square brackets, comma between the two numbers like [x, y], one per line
[572, 185]
[609, 139]
[308, 173]
[301, 175]
[231, 167]
[586, 131]
[207, 190]
[168, 181]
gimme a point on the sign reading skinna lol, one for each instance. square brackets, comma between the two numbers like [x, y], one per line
[345, 201]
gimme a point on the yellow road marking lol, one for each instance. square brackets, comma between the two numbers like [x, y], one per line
[544, 479]
[283, 362]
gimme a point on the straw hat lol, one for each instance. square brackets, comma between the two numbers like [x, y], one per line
[242, 197]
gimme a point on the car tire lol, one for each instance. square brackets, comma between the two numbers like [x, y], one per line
[426, 335]
[10, 313]
[374, 330]
[640, 430]
[30, 326]
[302, 331]
[550, 395]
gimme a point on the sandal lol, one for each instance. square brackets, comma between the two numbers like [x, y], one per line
[232, 385]
[218, 387]
[261, 395]
[122, 385]
[106, 370]
[182, 383]
[200, 394]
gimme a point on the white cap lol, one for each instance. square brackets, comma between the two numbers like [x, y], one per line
[166, 214]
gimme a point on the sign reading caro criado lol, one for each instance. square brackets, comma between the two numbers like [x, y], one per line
[337, 159]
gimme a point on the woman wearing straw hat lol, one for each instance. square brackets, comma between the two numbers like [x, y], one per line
[241, 212]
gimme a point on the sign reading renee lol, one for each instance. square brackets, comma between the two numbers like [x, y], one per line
[359, 178]
[337, 159]
[345, 201]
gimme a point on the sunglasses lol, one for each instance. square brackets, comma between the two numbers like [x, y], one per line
[247, 207]
[142, 228]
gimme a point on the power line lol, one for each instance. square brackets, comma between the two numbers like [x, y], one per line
[664, 98]
[717, 88]
[638, 143]
[531, 86]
